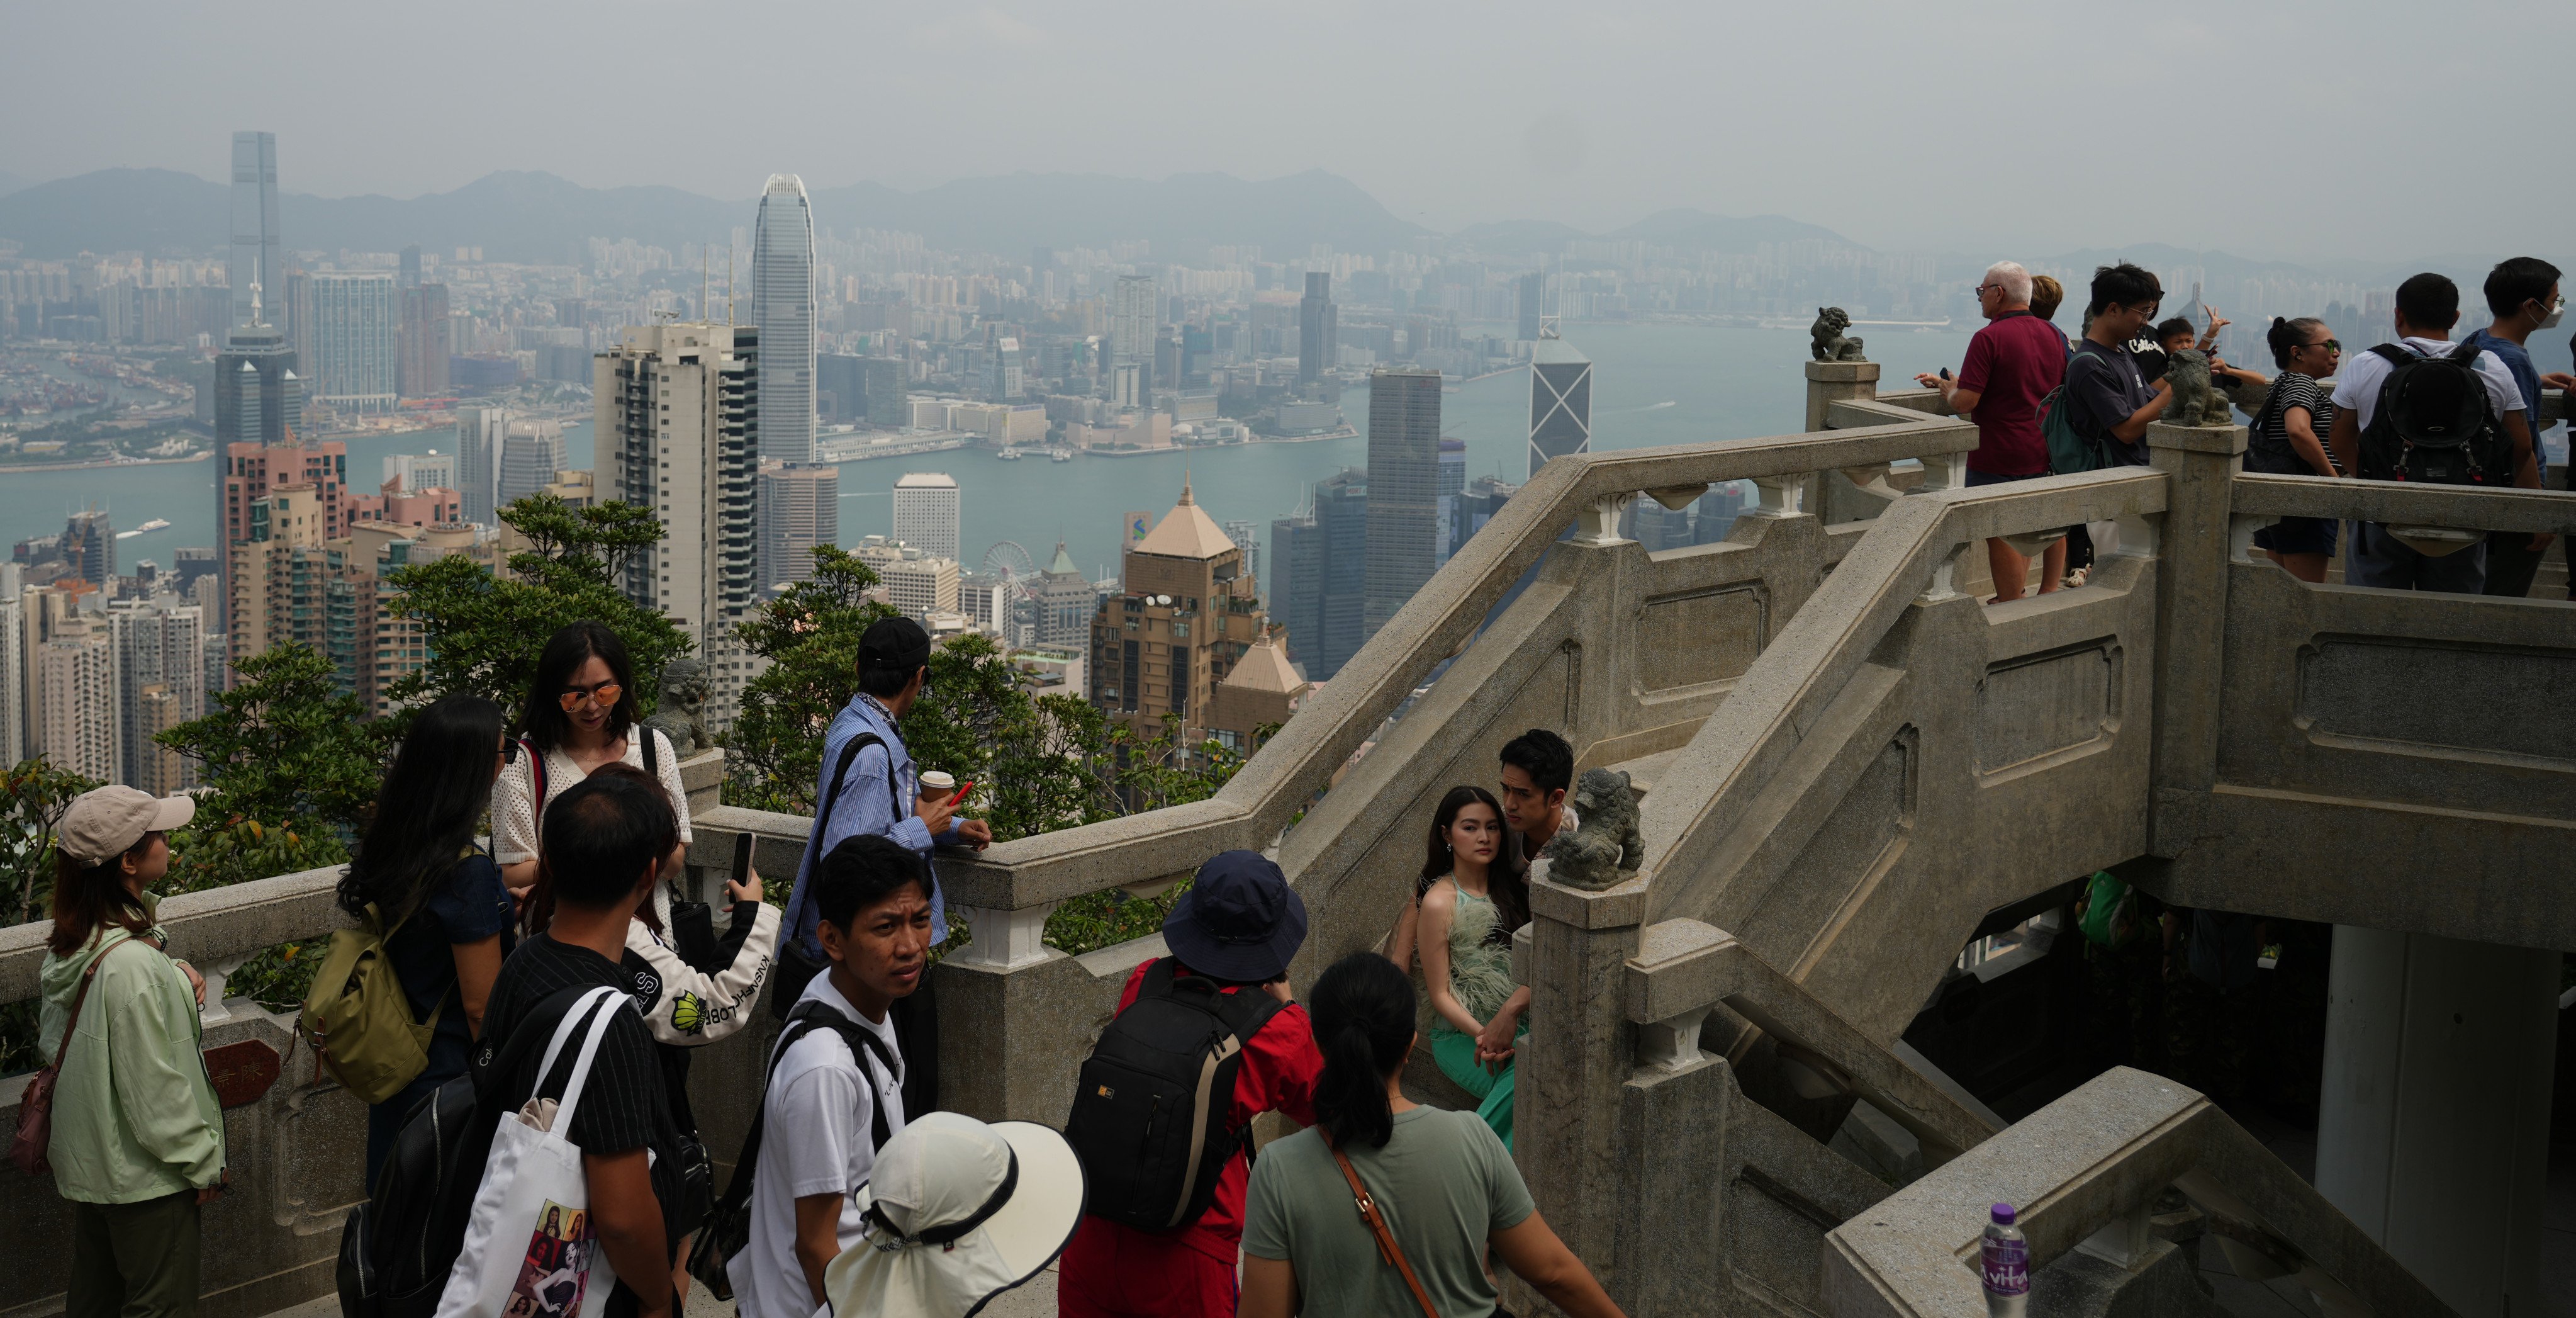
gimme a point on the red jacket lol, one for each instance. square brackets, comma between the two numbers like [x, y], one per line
[1280, 1066]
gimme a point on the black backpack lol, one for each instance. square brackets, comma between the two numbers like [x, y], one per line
[2434, 423]
[398, 1247]
[728, 1224]
[1149, 1113]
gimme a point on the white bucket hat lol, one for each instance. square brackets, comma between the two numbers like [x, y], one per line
[956, 1212]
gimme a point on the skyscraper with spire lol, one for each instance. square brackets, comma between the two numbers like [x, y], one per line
[257, 251]
[782, 306]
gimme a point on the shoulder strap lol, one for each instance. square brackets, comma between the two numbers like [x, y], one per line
[557, 1006]
[652, 742]
[2467, 353]
[2393, 354]
[864, 1044]
[73, 1022]
[571, 1100]
[536, 784]
[1387, 1250]
[793, 917]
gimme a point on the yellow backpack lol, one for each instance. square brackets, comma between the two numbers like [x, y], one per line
[358, 1018]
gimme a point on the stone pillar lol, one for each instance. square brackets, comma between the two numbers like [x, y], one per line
[1566, 1126]
[2434, 1131]
[2191, 600]
[1829, 381]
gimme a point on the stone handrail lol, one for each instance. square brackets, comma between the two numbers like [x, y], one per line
[2084, 1172]
[1441, 618]
[2260, 496]
[1684, 969]
[1912, 553]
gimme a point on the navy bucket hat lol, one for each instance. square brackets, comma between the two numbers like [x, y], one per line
[1239, 921]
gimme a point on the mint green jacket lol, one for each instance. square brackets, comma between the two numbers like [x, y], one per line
[135, 1115]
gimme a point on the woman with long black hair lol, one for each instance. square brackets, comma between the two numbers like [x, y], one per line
[1474, 897]
[581, 714]
[436, 890]
[1446, 1183]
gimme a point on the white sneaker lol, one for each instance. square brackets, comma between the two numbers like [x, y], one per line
[2076, 577]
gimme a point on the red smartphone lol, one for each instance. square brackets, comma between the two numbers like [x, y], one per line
[962, 789]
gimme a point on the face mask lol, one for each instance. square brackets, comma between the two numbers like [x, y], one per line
[2556, 309]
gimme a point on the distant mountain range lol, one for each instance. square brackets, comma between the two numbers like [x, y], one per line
[1673, 228]
[520, 216]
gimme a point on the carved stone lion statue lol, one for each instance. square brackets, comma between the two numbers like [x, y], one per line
[1831, 343]
[682, 713]
[1605, 847]
[2196, 401]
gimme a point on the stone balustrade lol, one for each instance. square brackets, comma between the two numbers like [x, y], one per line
[2085, 1173]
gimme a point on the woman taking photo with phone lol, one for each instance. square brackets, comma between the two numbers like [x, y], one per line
[137, 1144]
[580, 715]
[1474, 897]
[439, 893]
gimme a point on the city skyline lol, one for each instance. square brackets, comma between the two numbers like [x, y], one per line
[1594, 123]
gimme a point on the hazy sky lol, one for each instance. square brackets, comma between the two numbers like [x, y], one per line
[2349, 130]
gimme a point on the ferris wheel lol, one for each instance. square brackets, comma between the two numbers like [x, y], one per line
[1009, 561]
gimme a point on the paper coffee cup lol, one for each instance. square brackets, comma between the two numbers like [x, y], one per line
[937, 786]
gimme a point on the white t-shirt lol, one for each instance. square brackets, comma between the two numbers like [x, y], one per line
[2357, 387]
[514, 821]
[815, 1140]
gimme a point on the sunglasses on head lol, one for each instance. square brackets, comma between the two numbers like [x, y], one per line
[606, 693]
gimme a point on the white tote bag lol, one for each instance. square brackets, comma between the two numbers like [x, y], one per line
[530, 1250]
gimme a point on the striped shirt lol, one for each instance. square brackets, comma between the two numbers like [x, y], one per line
[2269, 450]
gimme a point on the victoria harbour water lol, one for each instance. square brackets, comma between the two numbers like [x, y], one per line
[1652, 384]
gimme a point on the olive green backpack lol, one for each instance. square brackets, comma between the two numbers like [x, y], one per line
[358, 1018]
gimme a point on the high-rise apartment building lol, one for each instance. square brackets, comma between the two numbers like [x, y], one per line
[15, 735]
[1317, 331]
[1319, 574]
[782, 305]
[800, 508]
[258, 252]
[1404, 489]
[1132, 319]
[677, 414]
[926, 512]
[916, 583]
[157, 769]
[479, 432]
[531, 453]
[1186, 613]
[1003, 382]
[420, 363]
[160, 648]
[353, 341]
[1560, 401]
[411, 473]
[75, 690]
[250, 472]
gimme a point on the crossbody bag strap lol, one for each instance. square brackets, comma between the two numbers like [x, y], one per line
[73, 1023]
[1387, 1249]
[795, 912]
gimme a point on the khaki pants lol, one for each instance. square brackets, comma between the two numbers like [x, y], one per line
[134, 1260]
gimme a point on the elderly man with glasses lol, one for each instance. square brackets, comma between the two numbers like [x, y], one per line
[2012, 365]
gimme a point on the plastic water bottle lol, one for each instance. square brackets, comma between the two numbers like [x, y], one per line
[2005, 1266]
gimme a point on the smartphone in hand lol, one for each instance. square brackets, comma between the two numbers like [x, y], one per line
[742, 857]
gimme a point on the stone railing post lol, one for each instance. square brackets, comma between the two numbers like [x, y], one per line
[1566, 1118]
[1831, 382]
[2192, 555]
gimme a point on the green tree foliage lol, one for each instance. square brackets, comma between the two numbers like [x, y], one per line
[810, 636]
[484, 632]
[291, 769]
[37, 794]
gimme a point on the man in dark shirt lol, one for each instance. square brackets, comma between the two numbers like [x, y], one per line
[2107, 395]
[604, 841]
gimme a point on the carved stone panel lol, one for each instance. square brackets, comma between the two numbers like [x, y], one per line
[2426, 695]
[2034, 706]
[1859, 841]
[1699, 638]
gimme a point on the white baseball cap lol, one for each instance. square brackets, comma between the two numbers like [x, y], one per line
[107, 822]
[955, 1213]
